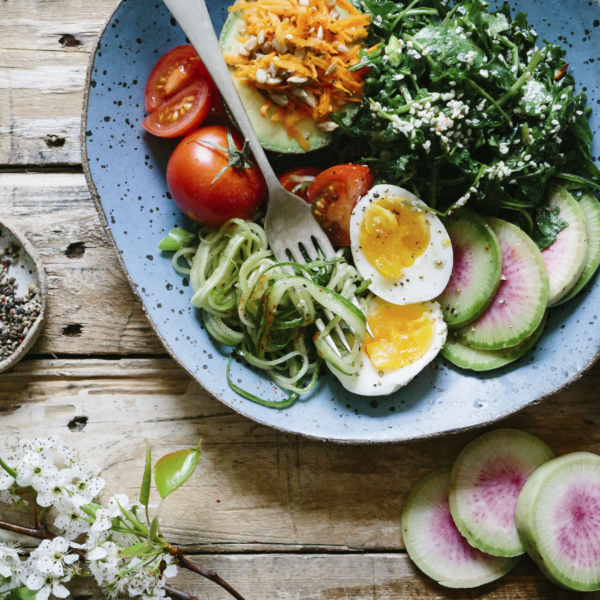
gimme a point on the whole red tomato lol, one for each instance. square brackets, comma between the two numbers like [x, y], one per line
[192, 172]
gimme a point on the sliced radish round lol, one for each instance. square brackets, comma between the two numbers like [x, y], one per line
[591, 210]
[466, 357]
[436, 546]
[521, 300]
[486, 481]
[566, 258]
[476, 269]
[558, 517]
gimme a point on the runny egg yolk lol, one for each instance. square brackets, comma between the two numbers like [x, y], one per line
[402, 334]
[393, 235]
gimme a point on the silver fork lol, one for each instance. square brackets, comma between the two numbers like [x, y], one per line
[289, 223]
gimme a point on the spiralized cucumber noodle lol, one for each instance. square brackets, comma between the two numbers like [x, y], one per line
[268, 310]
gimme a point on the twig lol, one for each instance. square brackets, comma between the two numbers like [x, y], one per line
[211, 575]
[178, 594]
[40, 533]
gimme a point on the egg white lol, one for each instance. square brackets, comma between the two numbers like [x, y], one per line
[427, 277]
[371, 381]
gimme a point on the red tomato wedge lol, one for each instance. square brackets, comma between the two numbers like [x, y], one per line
[172, 73]
[333, 194]
[298, 180]
[181, 114]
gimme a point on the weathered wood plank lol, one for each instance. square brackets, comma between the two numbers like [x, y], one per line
[348, 577]
[44, 51]
[256, 489]
[91, 308]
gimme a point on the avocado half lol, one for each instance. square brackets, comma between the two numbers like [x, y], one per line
[273, 135]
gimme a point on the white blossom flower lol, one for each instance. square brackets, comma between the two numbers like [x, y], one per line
[105, 561]
[66, 453]
[10, 497]
[89, 484]
[36, 469]
[72, 521]
[46, 585]
[6, 480]
[9, 562]
[55, 492]
[51, 557]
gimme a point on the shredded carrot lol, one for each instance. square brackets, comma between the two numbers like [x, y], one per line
[302, 61]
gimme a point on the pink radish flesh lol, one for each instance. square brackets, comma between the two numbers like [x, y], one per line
[462, 269]
[497, 489]
[577, 515]
[520, 302]
[450, 543]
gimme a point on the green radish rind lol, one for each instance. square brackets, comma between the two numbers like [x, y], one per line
[533, 502]
[429, 501]
[524, 312]
[273, 135]
[591, 210]
[566, 258]
[486, 360]
[463, 302]
[485, 481]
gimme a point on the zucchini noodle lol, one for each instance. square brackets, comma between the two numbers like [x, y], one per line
[268, 310]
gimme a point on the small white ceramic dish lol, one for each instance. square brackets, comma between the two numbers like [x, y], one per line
[29, 269]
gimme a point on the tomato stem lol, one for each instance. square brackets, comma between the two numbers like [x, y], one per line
[237, 158]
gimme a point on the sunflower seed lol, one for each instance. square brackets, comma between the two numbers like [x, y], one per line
[297, 79]
[274, 80]
[261, 75]
[333, 67]
[261, 37]
[342, 48]
[327, 126]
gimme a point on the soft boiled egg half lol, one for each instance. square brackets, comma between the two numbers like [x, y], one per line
[405, 340]
[400, 246]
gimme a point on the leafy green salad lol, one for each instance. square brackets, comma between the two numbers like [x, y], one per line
[460, 105]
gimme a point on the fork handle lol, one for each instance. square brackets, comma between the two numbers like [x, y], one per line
[193, 17]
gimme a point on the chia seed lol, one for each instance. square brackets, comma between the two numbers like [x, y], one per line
[17, 313]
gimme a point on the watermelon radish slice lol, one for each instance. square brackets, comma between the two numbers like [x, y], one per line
[485, 360]
[486, 481]
[434, 543]
[476, 270]
[566, 258]
[591, 210]
[520, 302]
[558, 517]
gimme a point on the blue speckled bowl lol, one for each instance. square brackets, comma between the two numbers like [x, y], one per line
[125, 168]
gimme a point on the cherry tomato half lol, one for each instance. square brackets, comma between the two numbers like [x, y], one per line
[298, 180]
[181, 114]
[333, 194]
[191, 172]
[172, 73]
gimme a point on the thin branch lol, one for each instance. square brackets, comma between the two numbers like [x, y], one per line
[211, 575]
[178, 594]
[41, 534]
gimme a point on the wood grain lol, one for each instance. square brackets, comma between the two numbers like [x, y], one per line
[351, 577]
[91, 308]
[256, 489]
[44, 52]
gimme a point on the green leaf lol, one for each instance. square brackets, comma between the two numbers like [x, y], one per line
[176, 240]
[549, 225]
[137, 549]
[147, 479]
[174, 469]
[91, 509]
[153, 530]
[22, 593]
[8, 469]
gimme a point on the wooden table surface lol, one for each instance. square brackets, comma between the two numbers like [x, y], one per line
[279, 516]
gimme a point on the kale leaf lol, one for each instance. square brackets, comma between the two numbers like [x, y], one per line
[549, 225]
